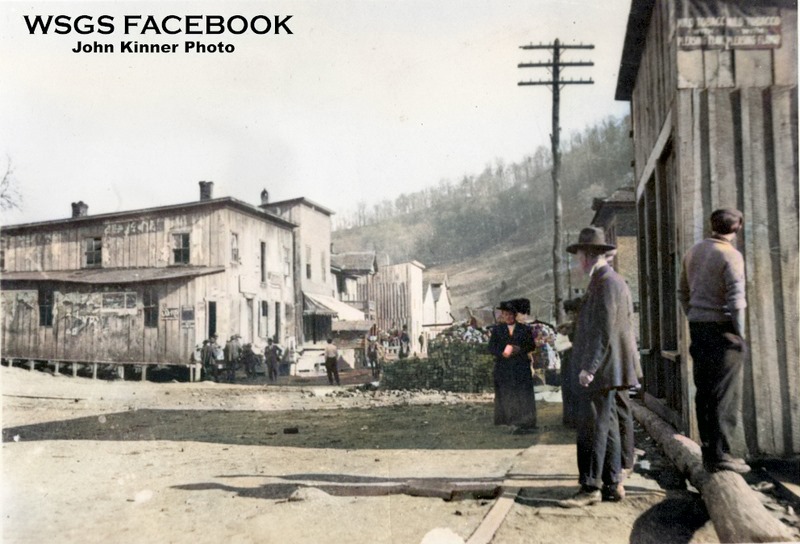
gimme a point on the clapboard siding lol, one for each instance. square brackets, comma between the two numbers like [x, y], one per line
[84, 330]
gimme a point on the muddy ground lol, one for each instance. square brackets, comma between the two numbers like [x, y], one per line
[125, 461]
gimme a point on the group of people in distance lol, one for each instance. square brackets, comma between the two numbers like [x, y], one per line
[605, 358]
[220, 363]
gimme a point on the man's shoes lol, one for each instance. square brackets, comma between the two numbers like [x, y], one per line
[727, 462]
[585, 497]
[613, 492]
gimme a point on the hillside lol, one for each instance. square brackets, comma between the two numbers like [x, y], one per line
[492, 233]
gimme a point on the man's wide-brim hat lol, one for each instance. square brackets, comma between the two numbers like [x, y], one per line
[591, 238]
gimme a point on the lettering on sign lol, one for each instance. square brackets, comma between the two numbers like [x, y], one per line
[715, 24]
[169, 313]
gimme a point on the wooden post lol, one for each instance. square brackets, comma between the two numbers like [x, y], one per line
[144, 373]
[74, 370]
[733, 507]
[58, 367]
[94, 371]
[31, 364]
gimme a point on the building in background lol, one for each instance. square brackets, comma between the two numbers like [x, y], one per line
[436, 304]
[146, 286]
[399, 298]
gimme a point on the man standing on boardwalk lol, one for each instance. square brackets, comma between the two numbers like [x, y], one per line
[712, 293]
[605, 359]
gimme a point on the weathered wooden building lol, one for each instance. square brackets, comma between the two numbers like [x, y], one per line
[353, 274]
[398, 299]
[713, 92]
[146, 286]
[436, 304]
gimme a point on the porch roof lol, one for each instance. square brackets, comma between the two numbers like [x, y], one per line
[112, 275]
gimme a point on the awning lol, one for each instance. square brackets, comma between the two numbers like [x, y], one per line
[112, 275]
[314, 304]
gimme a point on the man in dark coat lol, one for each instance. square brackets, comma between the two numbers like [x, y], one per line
[607, 359]
[510, 342]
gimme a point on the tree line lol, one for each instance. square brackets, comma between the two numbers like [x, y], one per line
[505, 202]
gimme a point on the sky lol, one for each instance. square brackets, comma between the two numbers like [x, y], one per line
[363, 101]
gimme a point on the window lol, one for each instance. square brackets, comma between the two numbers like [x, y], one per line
[2, 259]
[46, 307]
[234, 247]
[308, 262]
[287, 265]
[150, 304]
[324, 275]
[263, 262]
[180, 248]
[94, 252]
[262, 320]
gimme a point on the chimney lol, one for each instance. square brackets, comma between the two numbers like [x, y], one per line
[264, 197]
[80, 209]
[206, 190]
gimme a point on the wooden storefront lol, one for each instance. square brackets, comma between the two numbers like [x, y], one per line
[713, 92]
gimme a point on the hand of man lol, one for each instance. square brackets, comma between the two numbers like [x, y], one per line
[737, 341]
[585, 378]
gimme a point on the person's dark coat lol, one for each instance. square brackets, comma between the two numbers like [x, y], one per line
[605, 344]
[514, 403]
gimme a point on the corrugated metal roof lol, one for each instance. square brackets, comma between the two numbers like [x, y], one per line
[112, 275]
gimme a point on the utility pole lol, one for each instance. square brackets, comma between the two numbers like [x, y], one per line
[555, 84]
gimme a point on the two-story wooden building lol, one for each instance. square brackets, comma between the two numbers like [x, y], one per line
[713, 92]
[146, 286]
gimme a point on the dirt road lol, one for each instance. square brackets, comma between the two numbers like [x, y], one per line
[97, 461]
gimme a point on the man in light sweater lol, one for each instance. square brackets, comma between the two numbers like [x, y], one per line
[712, 293]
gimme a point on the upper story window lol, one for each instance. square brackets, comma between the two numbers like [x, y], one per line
[287, 265]
[322, 262]
[308, 262]
[45, 306]
[180, 248]
[263, 262]
[94, 251]
[234, 247]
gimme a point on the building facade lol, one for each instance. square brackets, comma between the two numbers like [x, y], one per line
[713, 93]
[146, 286]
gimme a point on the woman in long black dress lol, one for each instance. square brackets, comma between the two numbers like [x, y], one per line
[510, 343]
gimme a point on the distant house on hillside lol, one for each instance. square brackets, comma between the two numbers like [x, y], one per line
[436, 304]
[147, 285]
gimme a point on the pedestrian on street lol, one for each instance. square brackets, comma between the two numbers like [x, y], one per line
[712, 294]
[210, 352]
[331, 362]
[509, 343]
[606, 360]
[271, 358]
[233, 352]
